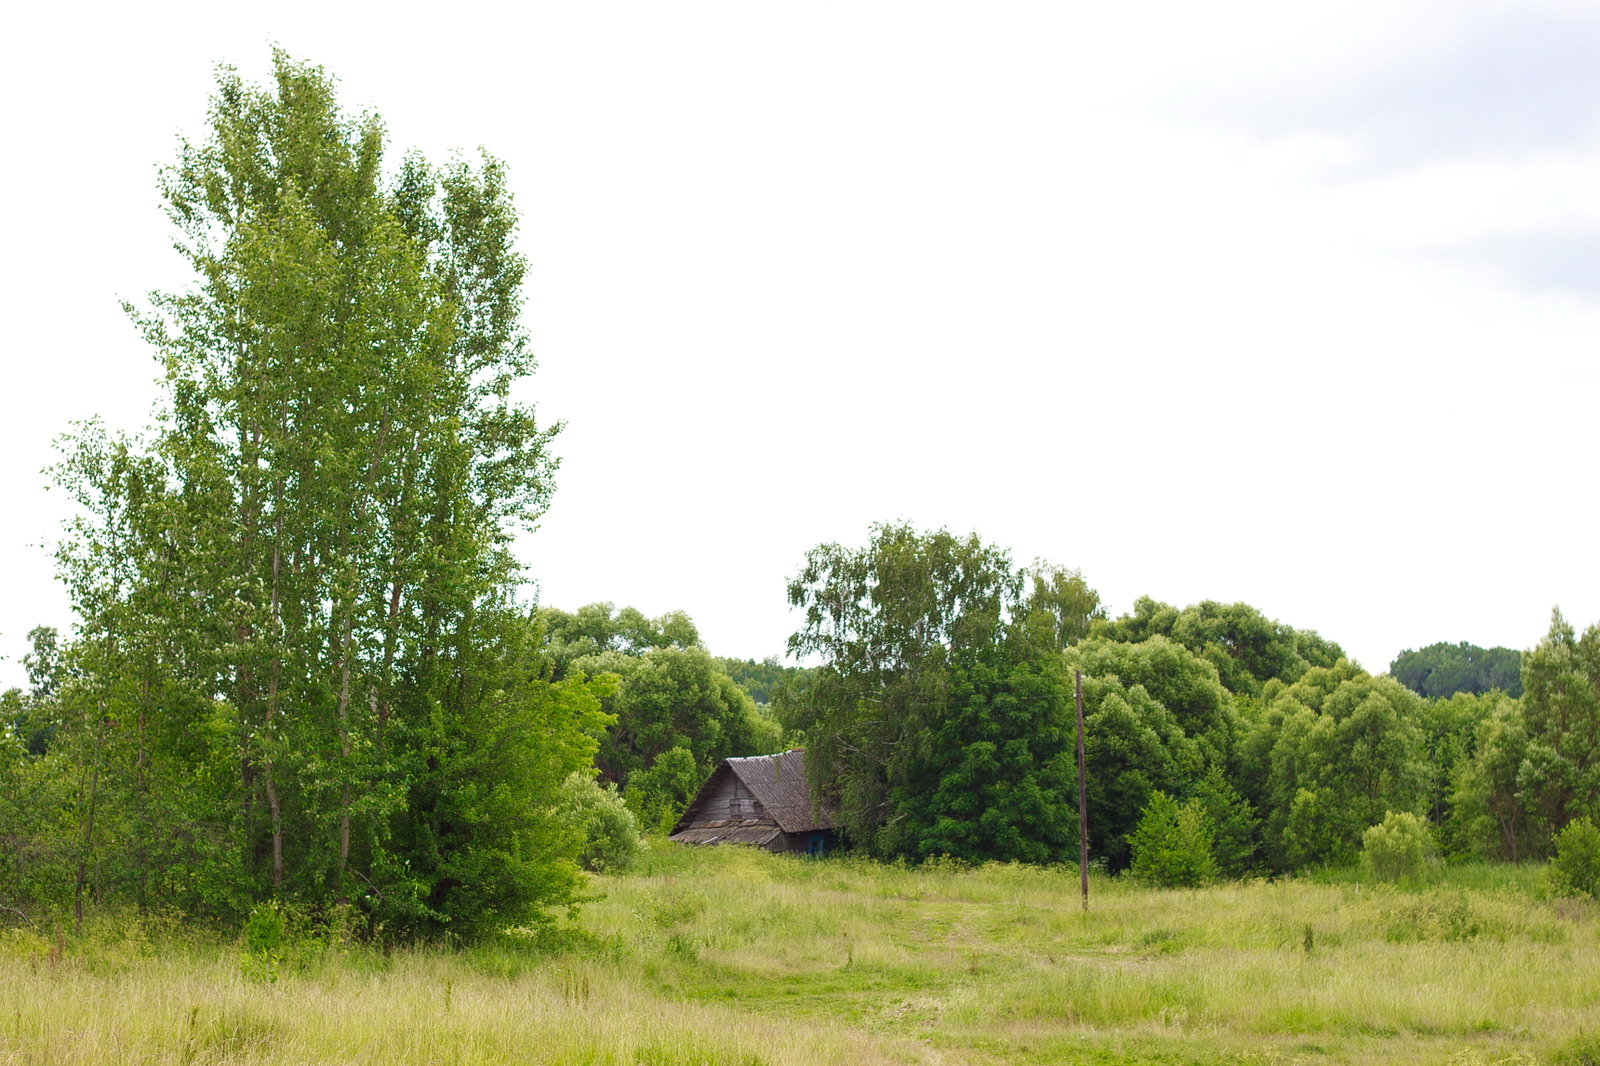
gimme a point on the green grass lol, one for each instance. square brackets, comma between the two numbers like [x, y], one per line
[731, 956]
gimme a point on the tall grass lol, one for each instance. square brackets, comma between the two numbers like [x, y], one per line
[731, 956]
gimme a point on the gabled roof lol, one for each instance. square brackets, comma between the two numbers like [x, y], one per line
[779, 783]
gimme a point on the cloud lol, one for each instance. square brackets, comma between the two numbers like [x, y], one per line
[1511, 82]
[1565, 261]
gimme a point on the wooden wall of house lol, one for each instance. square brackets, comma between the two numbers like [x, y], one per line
[801, 842]
[728, 798]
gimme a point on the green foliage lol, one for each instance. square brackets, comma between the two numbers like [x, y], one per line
[1326, 757]
[32, 716]
[670, 693]
[1246, 647]
[43, 662]
[1487, 814]
[1450, 728]
[1534, 764]
[263, 938]
[661, 793]
[762, 679]
[766, 731]
[1575, 868]
[600, 628]
[300, 673]
[1442, 670]
[1133, 745]
[1440, 915]
[1559, 778]
[1174, 845]
[36, 803]
[1310, 835]
[979, 792]
[609, 830]
[1399, 847]
[1062, 601]
[672, 697]
[1186, 685]
[939, 718]
[1234, 824]
[479, 844]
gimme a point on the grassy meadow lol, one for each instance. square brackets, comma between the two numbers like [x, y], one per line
[731, 957]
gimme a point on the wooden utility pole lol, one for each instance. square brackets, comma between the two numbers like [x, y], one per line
[1083, 795]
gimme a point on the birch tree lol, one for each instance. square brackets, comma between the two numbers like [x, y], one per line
[323, 543]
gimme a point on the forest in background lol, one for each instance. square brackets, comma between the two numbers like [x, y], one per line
[303, 672]
[1227, 743]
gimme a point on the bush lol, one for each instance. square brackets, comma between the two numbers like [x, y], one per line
[610, 833]
[660, 794]
[1400, 846]
[1233, 823]
[1173, 845]
[1311, 836]
[1575, 871]
[264, 934]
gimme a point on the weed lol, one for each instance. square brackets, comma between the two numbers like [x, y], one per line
[1439, 915]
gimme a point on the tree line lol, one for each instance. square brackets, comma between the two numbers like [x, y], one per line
[940, 720]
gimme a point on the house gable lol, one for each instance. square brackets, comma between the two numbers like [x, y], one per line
[763, 800]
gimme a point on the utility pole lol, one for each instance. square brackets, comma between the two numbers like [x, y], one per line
[1083, 795]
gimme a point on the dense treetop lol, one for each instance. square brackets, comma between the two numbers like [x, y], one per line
[1247, 648]
[598, 628]
[1445, 669]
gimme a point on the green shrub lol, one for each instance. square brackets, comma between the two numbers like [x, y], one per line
[1233, 823]
[610, 833]
[1399, 847]
[661, 793]
[1575, 870]
[1311, 835]
[1173, 845]
[1439, 915]
[264, 934]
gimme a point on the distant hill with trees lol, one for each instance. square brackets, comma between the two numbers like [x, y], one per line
[1442, 670]
[762, 678]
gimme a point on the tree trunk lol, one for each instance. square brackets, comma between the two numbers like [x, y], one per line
[88, 822]
[344, 747]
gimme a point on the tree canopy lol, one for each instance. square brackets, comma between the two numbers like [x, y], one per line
[1441, 670]
[1247, 648]
[939, 716]
[598, 628]
[671, 699]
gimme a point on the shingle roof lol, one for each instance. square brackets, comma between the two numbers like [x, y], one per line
[779, 784]
[757, 833]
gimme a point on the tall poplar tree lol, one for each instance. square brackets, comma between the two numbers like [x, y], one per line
[316, 563]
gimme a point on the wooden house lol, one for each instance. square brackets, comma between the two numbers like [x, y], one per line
[763, 800]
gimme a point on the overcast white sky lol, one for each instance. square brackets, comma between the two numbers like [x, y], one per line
[1296, 304]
